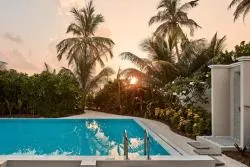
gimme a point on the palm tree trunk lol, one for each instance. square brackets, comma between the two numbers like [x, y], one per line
[119, 95]
[84, 100]
[177, 52]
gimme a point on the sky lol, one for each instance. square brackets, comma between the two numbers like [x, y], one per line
[30, 29]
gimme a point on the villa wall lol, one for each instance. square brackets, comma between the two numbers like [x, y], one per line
[245, 103]
[231, 100]
[220, 100]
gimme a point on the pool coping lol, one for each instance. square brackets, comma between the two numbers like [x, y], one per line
[168, 146]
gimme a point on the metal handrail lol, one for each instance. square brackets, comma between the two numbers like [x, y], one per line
[148, 147]
[146, 144]
[125, 144]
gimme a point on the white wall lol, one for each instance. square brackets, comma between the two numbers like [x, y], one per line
[201, 161]
[220, 100]
[245, 96]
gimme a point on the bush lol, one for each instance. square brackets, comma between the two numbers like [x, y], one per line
[192, 121]
[45, 94]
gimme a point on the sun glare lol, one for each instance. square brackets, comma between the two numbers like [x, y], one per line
[133, 80]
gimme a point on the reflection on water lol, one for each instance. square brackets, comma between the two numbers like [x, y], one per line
[113, 149]
[30, 151]
[78, 137]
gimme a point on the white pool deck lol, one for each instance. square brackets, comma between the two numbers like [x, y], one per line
[162, 130]
[166, 132]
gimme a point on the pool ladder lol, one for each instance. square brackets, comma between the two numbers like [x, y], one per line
[146, 144]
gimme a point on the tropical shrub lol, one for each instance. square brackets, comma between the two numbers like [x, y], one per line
[190, 90]
[44, 95]
[191, 121]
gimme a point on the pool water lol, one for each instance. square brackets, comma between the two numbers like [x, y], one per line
[75, 137]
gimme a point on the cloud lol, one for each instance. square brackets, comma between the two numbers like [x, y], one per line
[50, 55]
[16, 60]
[103, 31]
[66, 5]
[13, 37]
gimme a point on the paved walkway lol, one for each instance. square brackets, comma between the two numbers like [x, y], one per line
[165, 131]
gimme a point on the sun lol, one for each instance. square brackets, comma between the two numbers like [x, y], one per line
[133, 80]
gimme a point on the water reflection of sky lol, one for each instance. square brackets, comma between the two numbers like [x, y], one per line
[76, 137]
[114, 148]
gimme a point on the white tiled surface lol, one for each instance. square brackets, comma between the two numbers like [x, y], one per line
[165, 131]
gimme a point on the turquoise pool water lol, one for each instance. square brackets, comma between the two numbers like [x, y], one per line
[76, 137]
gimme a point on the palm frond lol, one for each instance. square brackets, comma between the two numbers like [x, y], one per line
[100, 78]
[132, 72]
[189, 5]
[49, 69]
[242, 8]
[139, 62]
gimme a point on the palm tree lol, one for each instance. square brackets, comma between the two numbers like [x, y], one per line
[198, 60]
[149, 72]
[158, 49]
[172, 18]
[84, 50]
[2, 65]
[243, 8]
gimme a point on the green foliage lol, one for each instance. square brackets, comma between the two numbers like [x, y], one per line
[190, 90]
[134, 100]
[191, 121]
[242, 50]
[46, 94]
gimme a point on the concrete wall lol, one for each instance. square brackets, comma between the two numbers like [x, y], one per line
[178, 162]
[3, 164]
[245, 103]
[235, 103]
[42, 163]
[220, 100]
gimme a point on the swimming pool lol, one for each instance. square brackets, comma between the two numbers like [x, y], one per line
[74, 137]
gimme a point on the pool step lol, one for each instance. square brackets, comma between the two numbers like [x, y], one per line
[198, 145]
[218, 162]
[206, 152]
[88, 163]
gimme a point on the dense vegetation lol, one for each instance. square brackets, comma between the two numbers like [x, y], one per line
[173, 98]
[41, 95]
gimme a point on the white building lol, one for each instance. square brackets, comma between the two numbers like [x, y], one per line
[230, 105]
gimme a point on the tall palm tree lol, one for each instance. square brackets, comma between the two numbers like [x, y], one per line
[173, 18]
[242, 8]
[84, 50]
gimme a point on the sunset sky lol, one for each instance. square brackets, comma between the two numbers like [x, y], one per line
[30, 29]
